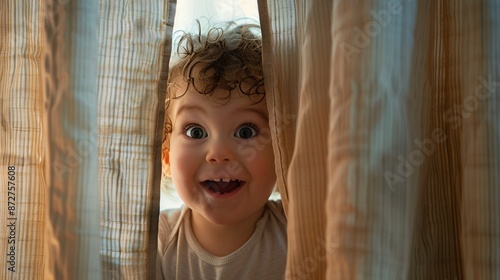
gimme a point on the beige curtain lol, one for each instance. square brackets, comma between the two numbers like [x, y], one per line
[82, 85]
[23, 188]
[386, 126]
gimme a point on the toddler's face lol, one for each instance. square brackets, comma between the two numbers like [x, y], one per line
[220, 155]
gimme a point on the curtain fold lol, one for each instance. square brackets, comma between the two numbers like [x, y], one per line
[133, 55]
[373, 121]
[396, 176]
[282, 101]
[291, 38]
[478, 112]
[70, 140]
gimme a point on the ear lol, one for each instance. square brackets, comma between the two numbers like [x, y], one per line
[165, 163]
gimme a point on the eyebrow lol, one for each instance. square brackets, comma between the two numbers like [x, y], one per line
[191, 108]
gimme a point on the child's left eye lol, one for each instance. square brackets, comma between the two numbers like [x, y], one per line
[246, 131]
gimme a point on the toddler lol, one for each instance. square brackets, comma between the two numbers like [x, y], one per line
[218, 154]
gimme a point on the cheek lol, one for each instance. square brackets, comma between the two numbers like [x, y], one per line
[182, 162]
[183, 172]
[264, 164]
[180, 167]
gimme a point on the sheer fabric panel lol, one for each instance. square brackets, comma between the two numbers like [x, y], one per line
[409, 152]
[82, 95]
[22, 140]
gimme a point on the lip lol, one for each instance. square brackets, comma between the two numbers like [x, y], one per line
[225, 195]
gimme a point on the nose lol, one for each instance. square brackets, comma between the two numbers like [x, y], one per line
[219, 151]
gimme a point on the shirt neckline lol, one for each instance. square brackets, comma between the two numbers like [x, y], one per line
[206, 256]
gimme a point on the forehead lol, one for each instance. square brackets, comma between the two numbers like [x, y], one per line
[219, 99]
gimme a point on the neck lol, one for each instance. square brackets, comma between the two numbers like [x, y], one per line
[222, 240]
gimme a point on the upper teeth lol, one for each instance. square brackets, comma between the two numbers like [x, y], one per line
[223, 180]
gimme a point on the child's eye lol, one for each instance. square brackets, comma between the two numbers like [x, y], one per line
[246, 131]
[195, 131]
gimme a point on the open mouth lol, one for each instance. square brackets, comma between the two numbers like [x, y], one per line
[222, 186]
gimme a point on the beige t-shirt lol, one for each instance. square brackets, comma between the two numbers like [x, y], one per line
[263, 256]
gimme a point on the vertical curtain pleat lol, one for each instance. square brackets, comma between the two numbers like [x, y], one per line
[70, 85]
[436, 250]
[479, 114]
[132, 54]
[282, 98]
[22, 205]
[307, 176]
[293, 38]
[373, 122]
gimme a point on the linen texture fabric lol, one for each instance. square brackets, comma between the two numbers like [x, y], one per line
[393, 173]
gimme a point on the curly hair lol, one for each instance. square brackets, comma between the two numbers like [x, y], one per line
[224, 58]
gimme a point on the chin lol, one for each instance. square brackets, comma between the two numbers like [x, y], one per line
[226, 219]
[222, 219]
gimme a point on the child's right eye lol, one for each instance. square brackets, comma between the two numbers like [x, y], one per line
[195, 131]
